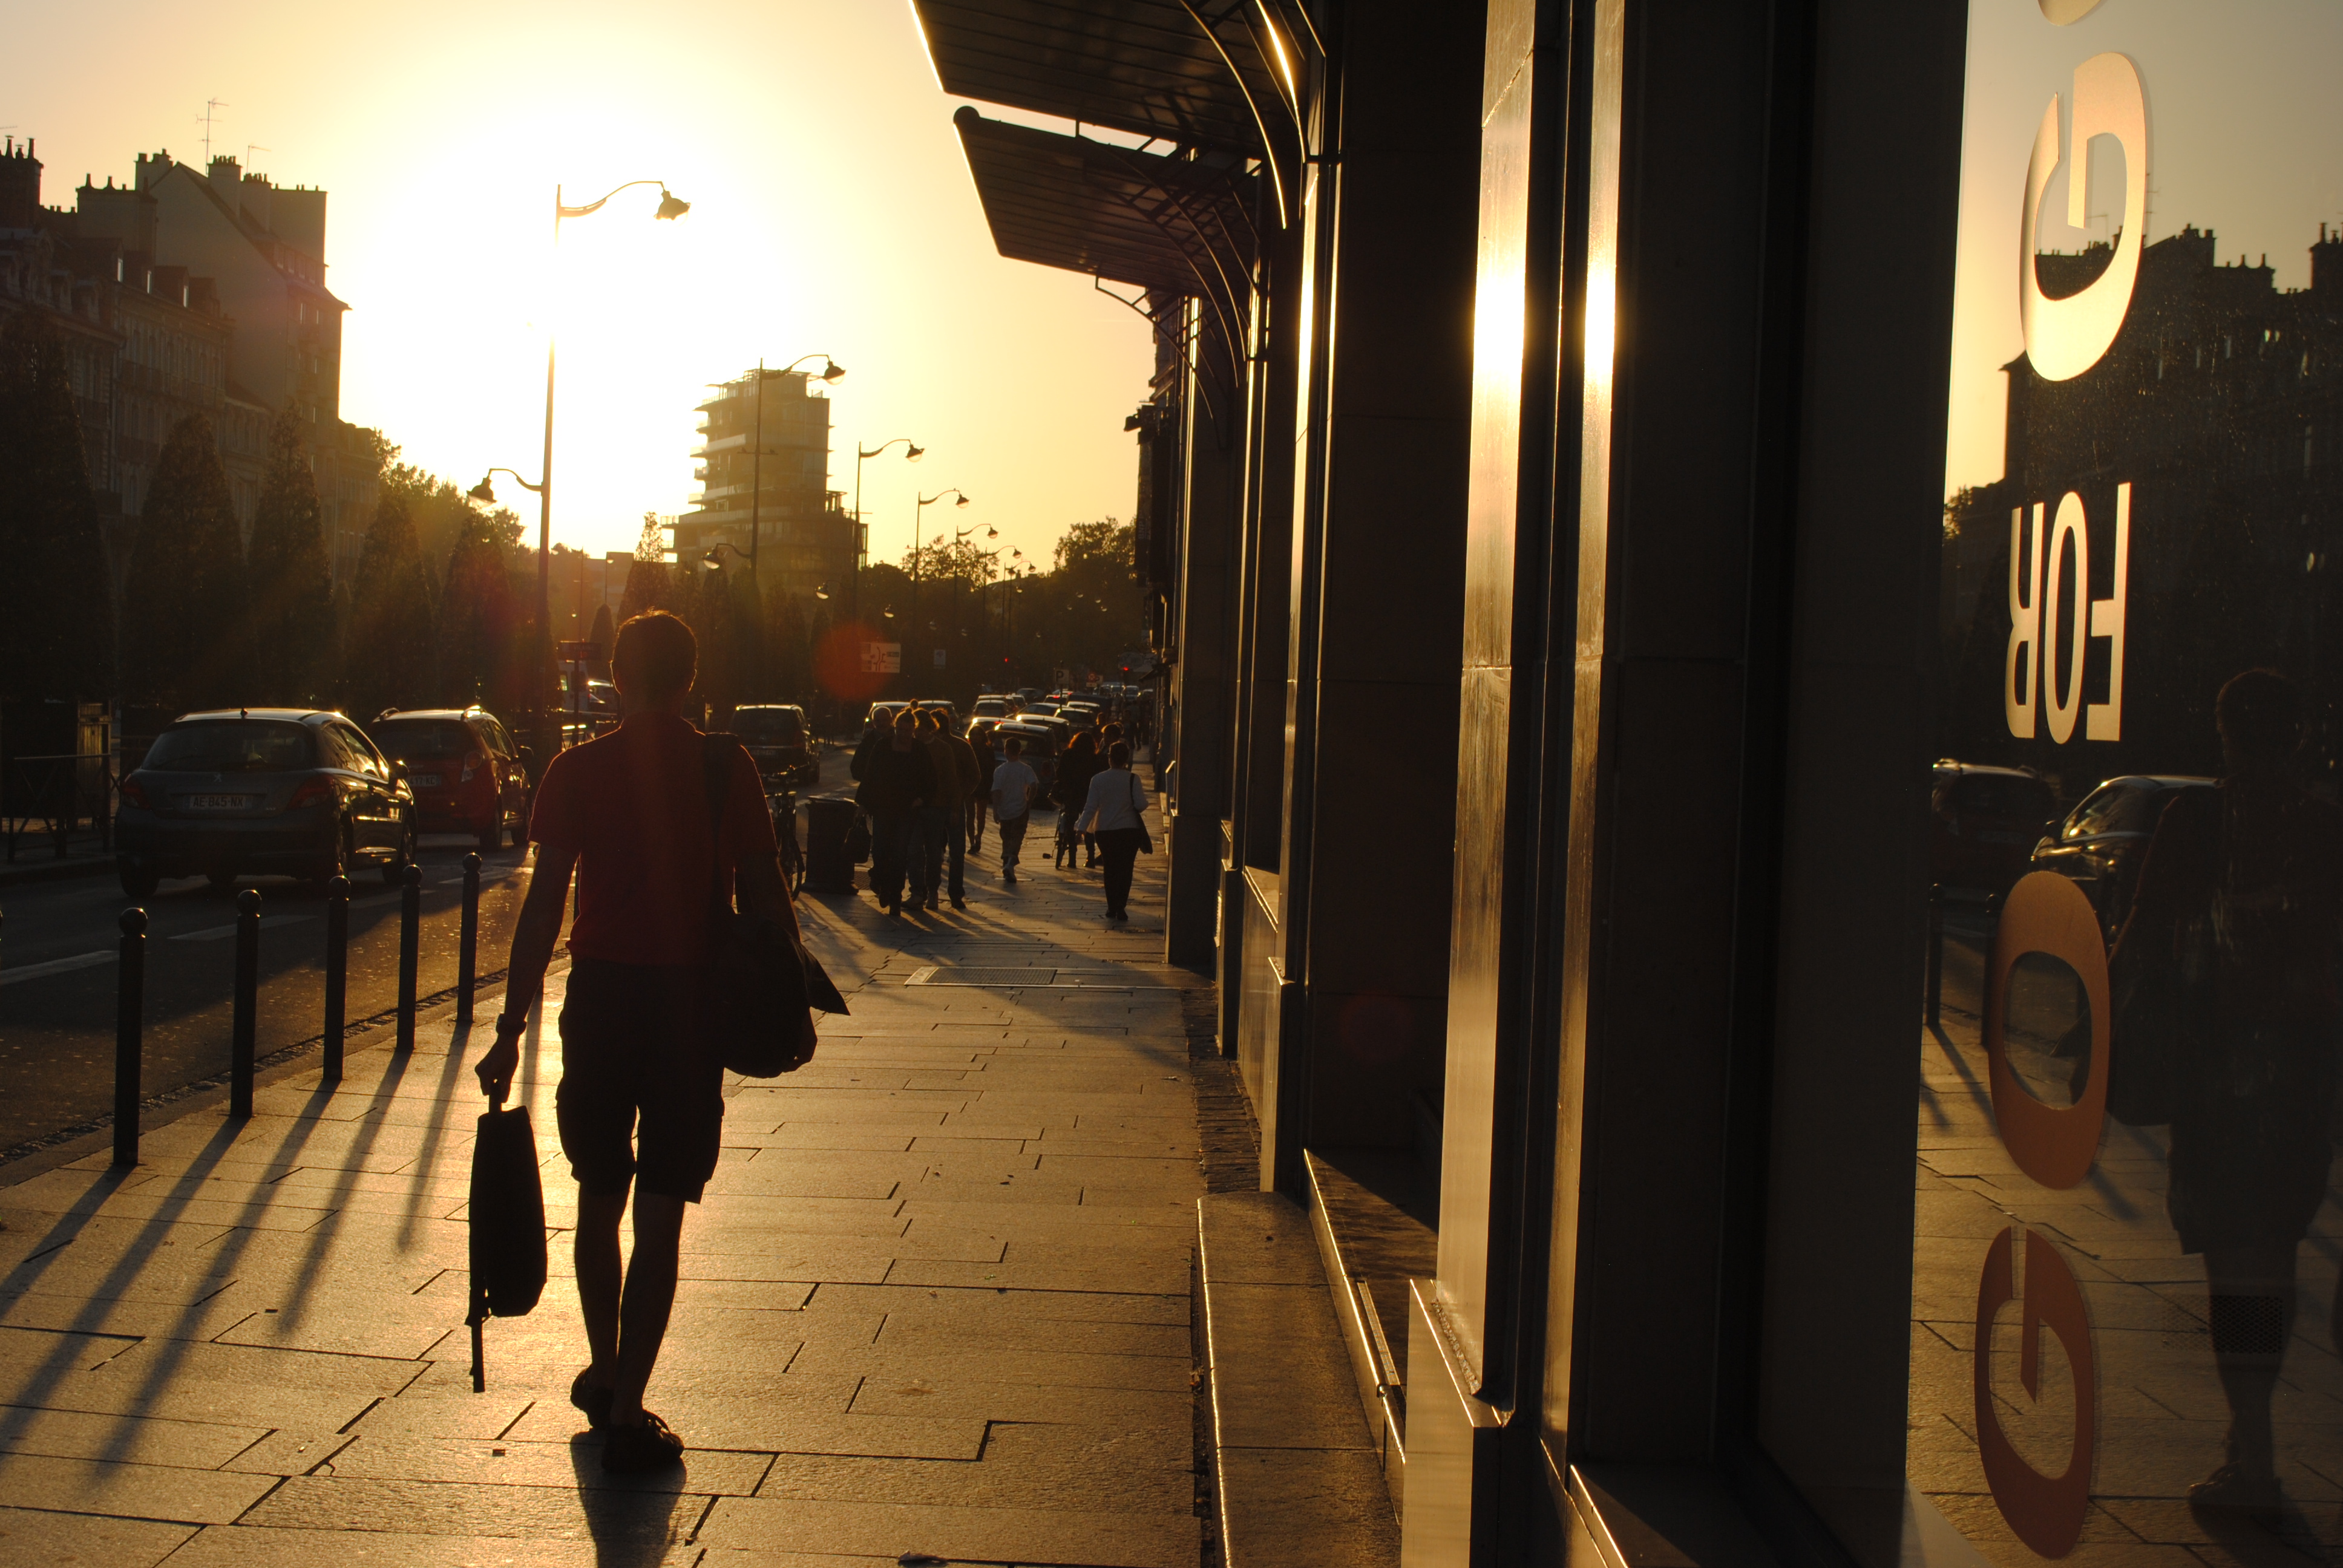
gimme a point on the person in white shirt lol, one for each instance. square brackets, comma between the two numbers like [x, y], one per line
[1014, 785]
[1114, 811]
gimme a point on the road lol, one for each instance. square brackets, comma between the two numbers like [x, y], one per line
[58, 968]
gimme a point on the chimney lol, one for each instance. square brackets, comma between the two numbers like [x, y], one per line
[20, 186]
[298, 216]
[255, 199]
[152, 169]
[2327, 264]
[225, 174]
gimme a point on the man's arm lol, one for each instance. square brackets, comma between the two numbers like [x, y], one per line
[534, 934]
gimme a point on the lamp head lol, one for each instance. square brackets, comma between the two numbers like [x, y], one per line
[714, 559]
[821, 590]
[484, 491]
[914, 454]
[992, 533]
[831, 370]
[961, 502]
[671, 206]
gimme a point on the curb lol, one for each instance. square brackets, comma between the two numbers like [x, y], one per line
[55, 871]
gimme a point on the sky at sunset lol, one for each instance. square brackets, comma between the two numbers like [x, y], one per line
[831, 213]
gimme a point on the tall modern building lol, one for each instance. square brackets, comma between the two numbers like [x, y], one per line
[763, 465]
[190, 291]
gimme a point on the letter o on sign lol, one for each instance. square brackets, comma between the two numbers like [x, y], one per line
[2046, 913]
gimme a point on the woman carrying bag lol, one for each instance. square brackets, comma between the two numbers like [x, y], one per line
[1116, 810]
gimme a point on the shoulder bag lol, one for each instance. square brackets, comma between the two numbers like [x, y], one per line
[507, 1221]
[1139, 815]
[759, 984]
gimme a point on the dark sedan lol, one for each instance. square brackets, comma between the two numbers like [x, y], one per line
[2101, 842]
[1984, 820]
[258, 790]
[778, 738]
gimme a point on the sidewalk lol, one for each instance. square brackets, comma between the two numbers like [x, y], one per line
[936, 1302]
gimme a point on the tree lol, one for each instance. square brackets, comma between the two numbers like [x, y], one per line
[386, 651]
[480, 660]
[56, 612]
[605, 633]
[649, 584]
[292, 582]
[186, 613]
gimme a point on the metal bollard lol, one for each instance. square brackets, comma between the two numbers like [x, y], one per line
[129, 1024]
[247, 1002]
[337, 972]
[410, 927]
[1935, 982]
[468, 943]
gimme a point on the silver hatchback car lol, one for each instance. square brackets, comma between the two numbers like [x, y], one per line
[262, 789]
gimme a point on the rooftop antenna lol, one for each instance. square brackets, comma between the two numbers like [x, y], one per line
[252, 147]
[210, 105]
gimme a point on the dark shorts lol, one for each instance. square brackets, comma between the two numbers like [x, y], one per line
[641, 1094]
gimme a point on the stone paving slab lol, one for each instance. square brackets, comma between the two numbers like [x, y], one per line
[937, 1299]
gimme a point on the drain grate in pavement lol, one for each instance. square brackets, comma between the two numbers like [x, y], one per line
[937, 974]
[999, 978]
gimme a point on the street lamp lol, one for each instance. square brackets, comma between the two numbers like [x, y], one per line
[832, 372]
[671, 206]
[912, 452]
[925, 502]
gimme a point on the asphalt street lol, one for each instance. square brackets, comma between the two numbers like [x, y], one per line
[59, 975]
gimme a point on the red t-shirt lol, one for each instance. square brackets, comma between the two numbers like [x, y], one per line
[633, 806]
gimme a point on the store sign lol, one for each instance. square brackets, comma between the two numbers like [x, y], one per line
[2051, 613]
[2065, 337]
[882, 658]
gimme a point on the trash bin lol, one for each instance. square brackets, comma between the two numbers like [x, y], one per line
[827, 868]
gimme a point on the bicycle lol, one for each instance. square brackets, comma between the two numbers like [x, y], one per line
[784, 809]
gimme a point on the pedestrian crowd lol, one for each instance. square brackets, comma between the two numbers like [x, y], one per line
[929, 793]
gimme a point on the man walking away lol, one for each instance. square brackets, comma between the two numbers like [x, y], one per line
[1014, 785]
[896, 778]
[936, 810]
[968, 774]
[641, 1100]
[1112, 811]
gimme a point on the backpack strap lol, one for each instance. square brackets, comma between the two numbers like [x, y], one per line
[715, 769]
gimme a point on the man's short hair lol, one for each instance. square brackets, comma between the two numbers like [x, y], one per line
[928, 720]
[657, 655]
[1118, 755]
[904, 716]
[1014, 746]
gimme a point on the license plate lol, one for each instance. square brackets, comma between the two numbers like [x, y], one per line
[219, 802]
[425, 780]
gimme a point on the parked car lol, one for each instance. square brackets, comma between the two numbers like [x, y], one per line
[1082, 714]
[1041, 747]
[1983, 823]
[778, 737]
[945, 706]
[994, 708]
[286, 791]
[884, 713]
[468, 777]
[2102, 842]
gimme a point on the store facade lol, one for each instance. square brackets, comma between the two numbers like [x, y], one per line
[1713, 560]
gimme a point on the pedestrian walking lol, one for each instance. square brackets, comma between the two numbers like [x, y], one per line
[1116, 812]
[1015, 786]
[987, 759]
[641, 1100]
[1075, 770]
[940, 814]
[895, 778]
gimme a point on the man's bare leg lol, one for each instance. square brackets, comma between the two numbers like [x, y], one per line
[594, 1248]
[648, 1298]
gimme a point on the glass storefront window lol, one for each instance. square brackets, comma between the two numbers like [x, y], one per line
[2125, 1314]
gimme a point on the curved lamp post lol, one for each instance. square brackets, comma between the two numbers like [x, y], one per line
[832, 372]
[671, 206]
[925, 502]
[912, 452]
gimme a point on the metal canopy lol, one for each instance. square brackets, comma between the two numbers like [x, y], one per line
[1170, 225]
[1152, 67]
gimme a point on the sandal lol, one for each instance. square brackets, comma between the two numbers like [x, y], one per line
[594, 1401]
[641, 1445]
